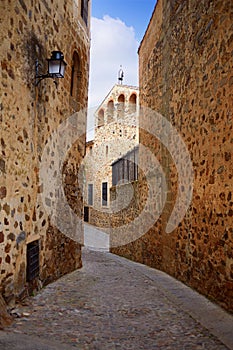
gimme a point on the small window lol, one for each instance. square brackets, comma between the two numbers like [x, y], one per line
[90, 194]
[104, 194]
[84, 10]
[33, 264]
[86, 214]
[76, 76]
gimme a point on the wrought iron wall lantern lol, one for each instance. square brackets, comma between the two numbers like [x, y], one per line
[56, 67]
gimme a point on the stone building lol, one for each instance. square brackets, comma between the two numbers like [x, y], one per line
[34, 250]
[186, 76]
[116, 132]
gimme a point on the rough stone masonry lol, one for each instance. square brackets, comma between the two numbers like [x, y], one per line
[29, 115]
[185, 69]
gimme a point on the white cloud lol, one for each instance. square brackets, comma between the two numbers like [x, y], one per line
[112, 44]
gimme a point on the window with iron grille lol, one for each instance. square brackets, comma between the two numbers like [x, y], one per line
[104, 193]
[125, 169]
[84, 10]
[33, 260]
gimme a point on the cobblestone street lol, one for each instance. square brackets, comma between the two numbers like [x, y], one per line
[112, 303]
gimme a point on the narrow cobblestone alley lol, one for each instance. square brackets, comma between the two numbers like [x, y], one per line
[113, 303]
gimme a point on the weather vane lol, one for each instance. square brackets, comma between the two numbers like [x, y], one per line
[120, 76]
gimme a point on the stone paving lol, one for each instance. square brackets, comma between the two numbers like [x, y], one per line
[110, 303]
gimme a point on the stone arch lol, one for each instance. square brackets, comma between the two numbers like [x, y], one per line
[101, 117]
[121, 105]
[121, 98]
[110, 109]
[133, 102]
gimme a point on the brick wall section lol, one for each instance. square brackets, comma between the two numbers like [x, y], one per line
[29, 115]
[186, 75]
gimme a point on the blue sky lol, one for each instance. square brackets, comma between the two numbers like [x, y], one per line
[117, 28]
[136, 13]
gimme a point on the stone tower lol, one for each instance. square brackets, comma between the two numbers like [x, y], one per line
[116, 132]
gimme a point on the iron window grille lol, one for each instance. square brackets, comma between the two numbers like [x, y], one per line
[125, 169]
[33, 260]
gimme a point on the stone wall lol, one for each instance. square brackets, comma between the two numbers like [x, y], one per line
[30, 115]
[5, 318]
[185, 69]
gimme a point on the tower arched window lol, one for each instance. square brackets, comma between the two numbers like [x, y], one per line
[101, 117]
[110, 108]
[76, 76]
[121, 105]
[133, 103]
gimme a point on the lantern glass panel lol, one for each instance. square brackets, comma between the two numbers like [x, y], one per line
[54, 67]
[62, 69]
